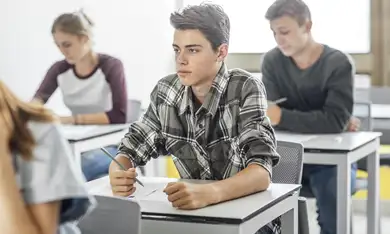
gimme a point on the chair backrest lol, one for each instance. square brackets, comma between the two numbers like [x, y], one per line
[362, 110]
[112, 215]
[133, 110]
[289, 169]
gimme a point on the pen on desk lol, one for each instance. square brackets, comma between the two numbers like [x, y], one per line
[280, 100]
[119, 164]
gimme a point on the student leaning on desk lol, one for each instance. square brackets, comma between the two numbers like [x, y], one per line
[41, 191]
[93, 85]
[317, 82]
[210, 118]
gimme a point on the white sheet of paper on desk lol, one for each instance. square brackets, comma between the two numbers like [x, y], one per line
[151, 192]
[297, 138]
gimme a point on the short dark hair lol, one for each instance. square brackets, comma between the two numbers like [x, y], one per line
[296, 9]
[209, 19]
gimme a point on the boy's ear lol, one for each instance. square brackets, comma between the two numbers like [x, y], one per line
[222, 52]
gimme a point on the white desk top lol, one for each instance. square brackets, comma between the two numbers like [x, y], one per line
[236, 210]
[83, 132]
[346, 141]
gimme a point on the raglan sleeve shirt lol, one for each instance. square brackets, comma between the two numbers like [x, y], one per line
[116, 79]
[49, 83]
[114, 74]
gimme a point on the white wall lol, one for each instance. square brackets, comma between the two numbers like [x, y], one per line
[27, 49]
[26, 46]
[139, 33]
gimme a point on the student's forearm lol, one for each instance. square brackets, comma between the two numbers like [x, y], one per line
[84, 119]
[14, 218]
[252, 179]
[318, 121]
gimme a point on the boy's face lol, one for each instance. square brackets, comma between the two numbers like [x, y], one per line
[196, 61]
[289, 35]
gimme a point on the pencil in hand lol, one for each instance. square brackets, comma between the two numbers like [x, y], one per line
[119, 164]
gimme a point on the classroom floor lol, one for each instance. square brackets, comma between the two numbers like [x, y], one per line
[359, 221]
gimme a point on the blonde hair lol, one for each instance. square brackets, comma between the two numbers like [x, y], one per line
[16, 114]
[76, 23]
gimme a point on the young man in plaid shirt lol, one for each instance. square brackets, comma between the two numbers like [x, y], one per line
[210, 119]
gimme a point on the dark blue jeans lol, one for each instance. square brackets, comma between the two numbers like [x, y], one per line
[321, 182]
[95, 163]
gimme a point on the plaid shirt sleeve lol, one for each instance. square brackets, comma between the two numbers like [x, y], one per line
[144, 139]
[257, 137]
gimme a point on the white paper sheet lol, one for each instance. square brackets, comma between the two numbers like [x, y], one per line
[151, 192]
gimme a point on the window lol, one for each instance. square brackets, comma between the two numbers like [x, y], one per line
[343, 24]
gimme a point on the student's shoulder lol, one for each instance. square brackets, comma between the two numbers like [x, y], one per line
[238, 78]
[336, 58]
[169, 89]
[272, 55]
[169, 82]
[108, 62]
[42, 131]
[60, 67]
[239, 74]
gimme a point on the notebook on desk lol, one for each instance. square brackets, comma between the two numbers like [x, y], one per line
[150, 192]
[82, 132]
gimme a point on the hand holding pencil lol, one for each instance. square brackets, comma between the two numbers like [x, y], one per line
[122, 180]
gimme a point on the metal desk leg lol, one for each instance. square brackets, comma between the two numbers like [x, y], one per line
[373, 217]
[290, 219]
[344, 196]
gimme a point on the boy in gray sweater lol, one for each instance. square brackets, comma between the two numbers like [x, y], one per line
[317, 82]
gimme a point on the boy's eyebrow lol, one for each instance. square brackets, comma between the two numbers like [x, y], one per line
[188, 46]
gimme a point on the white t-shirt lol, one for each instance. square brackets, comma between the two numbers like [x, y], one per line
[52, 175]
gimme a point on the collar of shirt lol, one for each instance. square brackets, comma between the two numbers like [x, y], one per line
[213, 98]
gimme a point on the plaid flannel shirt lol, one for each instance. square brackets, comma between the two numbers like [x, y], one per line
[222, 137]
